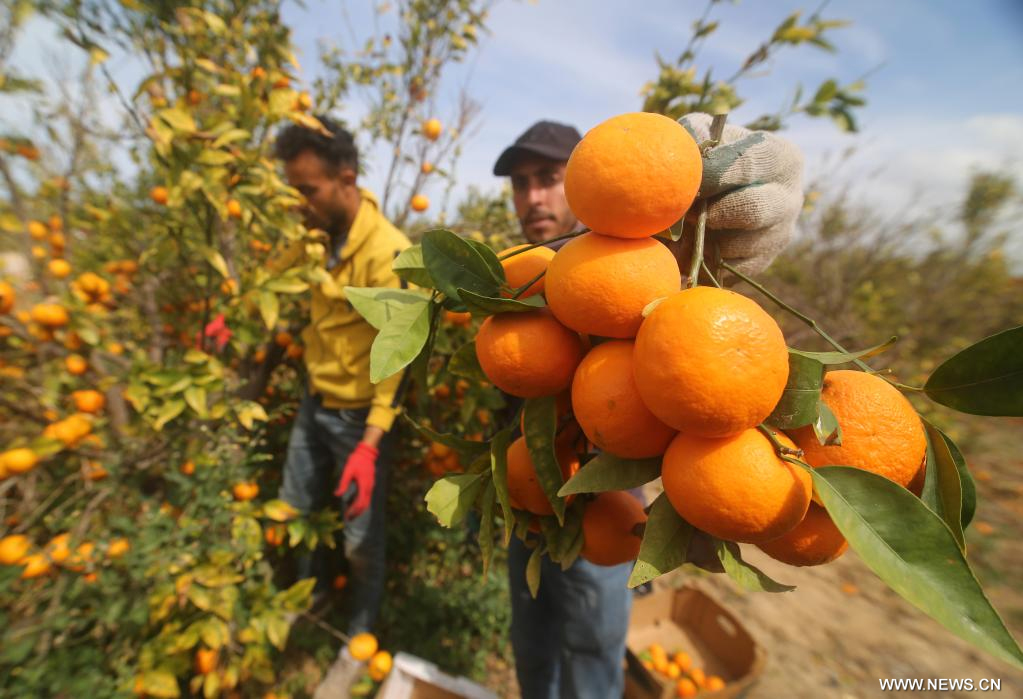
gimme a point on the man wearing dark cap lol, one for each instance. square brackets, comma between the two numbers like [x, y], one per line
[536, 165]
[570, 640]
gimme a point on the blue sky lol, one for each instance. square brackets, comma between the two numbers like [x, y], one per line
[945, 85]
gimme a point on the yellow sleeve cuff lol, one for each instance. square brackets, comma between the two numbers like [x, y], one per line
[382, 417]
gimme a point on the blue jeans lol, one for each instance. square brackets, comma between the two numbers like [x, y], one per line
[570, 641]
[321, 440]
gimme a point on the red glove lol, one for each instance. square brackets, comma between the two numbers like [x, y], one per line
[361, 467]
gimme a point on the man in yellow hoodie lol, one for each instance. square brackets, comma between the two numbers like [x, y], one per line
[341, 433]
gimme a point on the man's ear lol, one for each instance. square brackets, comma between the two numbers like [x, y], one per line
[347, 176]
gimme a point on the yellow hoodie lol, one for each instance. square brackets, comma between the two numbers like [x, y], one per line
[338, 339]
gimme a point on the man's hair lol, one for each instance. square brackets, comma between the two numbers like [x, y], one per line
[336, 151]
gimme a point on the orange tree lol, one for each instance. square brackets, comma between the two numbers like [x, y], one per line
[139, 341]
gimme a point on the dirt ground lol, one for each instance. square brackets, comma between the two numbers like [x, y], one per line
[842, 629]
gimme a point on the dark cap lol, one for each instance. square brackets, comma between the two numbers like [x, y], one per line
[547, 138]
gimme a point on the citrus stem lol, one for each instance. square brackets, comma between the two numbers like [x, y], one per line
[545, 243]
[802, 316]
[717, 128]
[782, 450]
[710, 274]
[522, 289]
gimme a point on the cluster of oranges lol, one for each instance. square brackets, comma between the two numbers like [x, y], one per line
[647, 369]
[442, 459]
[678, 667]
[431, 130]
[364, 648]
[18, 550]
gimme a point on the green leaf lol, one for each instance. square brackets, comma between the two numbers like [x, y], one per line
[399, 341]
[499, 470]
[798, 404]
[169, 411]
[269, 308]
[379, 305]
[826, 91]
[561, 539]
[230, 136]
[747, 576]
[490, 257]
[451, 497]
[835, 358]
[969, 489]
[465, 363]
[453, 264]
[914, 552]
[942, 491]
[195, 396]
[986, 378]
[609, 472]
[489, 305]
[541, 425]
[826, 426]
[214, 633]
[665, 544]
[409, 265]
[469, 449]
[486, 533]
[533, 571]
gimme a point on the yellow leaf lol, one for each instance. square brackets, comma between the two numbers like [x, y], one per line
[177, 119]
[160, 683]
[216, 261]
[309, 122]
[208, 65]
[230, 136]
[279, 511]
[97, 55]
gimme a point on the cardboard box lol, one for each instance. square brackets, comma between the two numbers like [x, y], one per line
[690, 620]
[414, 678]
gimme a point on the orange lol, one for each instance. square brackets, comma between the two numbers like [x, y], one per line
[460, 318]
[600, 285]
[698, 677]
[59, 268]
[379, 665]
[608, 523]
[735, 488]
[881, 432]
[38, 230]
[50, 315]
[432, 129]
[420, 202]
[159, 195]
[426, 168]
[522, 268]
[683, 660]
[528, 355]
[76, 364]
[274, 535]
[685, 688]
[19, 460]
[245, 491]
[205, 661]
[813, 541]
[115, 348]
[710, 362]
[81, 556]
[38, 252]
[340, 582]
[88, 401]
[524, 489]
[608, 407]
[13, 549]
[362, 646]
[94, 471]
[117, 548]
[294, 351]
[714, 683]
[633, 175]
[234, 209]
[674, 671]
[71, 430]
[283, 338]
[57, 549]
[36, 565]
[7, 297]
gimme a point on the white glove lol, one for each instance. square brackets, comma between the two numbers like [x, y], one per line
[753, 183]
